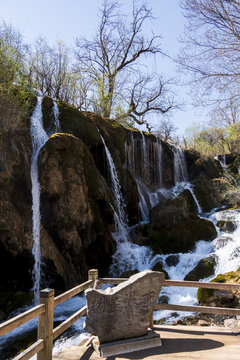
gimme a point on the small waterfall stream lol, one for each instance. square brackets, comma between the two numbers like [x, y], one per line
[181, 175]
[128, 256]
[39, 137]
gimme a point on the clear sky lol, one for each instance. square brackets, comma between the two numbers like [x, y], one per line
[68, 19]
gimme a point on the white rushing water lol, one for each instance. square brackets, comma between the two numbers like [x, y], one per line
[39, 137]
[180, 166]
[128, 256]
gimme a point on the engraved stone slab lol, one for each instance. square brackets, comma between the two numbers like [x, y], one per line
[125, 311]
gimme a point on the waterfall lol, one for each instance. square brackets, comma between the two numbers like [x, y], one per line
[159, 161]
[39, 138]
[181, 175]
[145, 166]
[180, 166]
[57, 127]
[128, 256]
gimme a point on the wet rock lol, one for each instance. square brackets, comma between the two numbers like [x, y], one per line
[222, 241]
[164, 299]
[159, 267]
[172, 260]
[124, 311]
[175, 227]
[204, 268]
[235, 254]
[77, 218]
[221, 298]
[226, 226]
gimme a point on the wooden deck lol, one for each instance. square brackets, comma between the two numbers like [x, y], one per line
[178, 342]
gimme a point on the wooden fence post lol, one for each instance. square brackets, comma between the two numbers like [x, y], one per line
[45, 324]
[93, 274]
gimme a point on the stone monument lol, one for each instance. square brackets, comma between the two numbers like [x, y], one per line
[125, 311]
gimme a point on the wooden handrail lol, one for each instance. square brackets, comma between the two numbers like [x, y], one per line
[200, 309]
[21, 319]
[72, 292]
[44, 328]
[31, 350]
[207, 285]
[45, 310]
[68, 322]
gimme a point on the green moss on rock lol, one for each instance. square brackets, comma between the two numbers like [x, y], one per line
[226, 226]
[204, 268]
[206, 296]
[78, 124]
[181, 237]
[202, 194]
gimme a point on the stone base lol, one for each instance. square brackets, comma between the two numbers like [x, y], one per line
[150, 340]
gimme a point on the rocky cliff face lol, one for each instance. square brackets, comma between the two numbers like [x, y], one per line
[77, 216]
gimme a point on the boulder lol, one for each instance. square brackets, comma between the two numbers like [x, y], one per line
[222, 241]
[159, 267]
[77, 218]
[226, 226]
[204, 268]
[221, 298]
[172, 260]
[175, 227]
[181, 237]
[124, 311]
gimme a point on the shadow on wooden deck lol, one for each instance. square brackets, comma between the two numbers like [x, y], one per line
[177, 343]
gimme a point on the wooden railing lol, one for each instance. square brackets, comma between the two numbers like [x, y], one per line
[45, 311]
[200, 309]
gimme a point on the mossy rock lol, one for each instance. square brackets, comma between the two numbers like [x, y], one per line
[204, 269]
[181, 237]
[159, 267]
[47, 111]
[202, 194]
[78, 124]
[226, 226]
[185, 200]
[206, 296]
[174, 211]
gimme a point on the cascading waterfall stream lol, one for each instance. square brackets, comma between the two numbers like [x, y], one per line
[181, 175]
[180, 166]
[128, 256]
[39, 137]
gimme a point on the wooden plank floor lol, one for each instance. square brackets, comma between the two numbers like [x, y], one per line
[179, 342]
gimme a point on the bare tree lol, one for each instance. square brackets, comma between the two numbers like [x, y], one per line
[212, 46]
[111, 61]
[166, 130]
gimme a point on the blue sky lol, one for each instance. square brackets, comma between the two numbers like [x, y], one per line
[68, 19]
